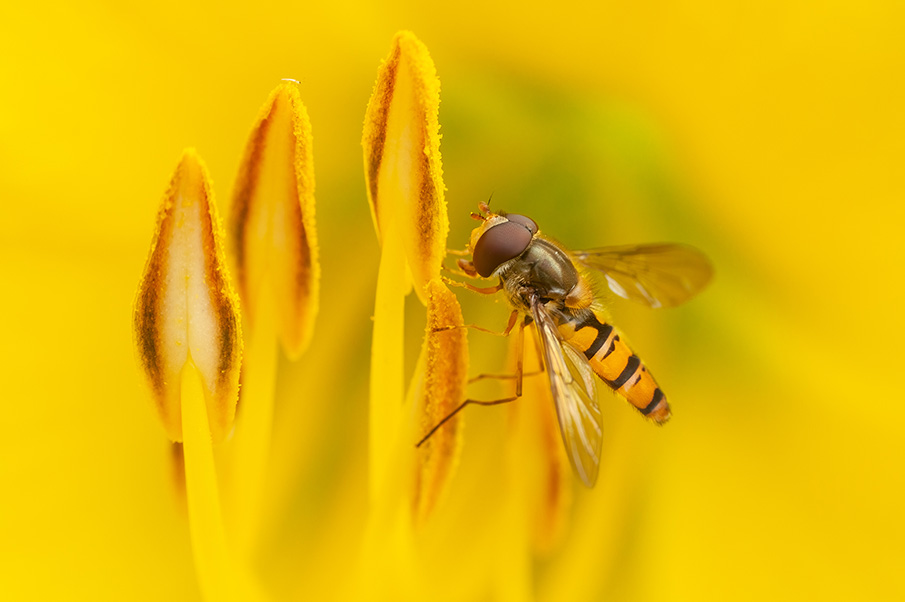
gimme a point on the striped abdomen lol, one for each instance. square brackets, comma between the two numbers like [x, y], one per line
[616, 365]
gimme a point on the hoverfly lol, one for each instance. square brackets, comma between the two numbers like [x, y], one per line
[546, 285]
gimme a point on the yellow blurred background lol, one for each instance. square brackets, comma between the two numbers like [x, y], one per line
[772, 136]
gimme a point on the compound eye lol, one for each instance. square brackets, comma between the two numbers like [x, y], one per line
[498, 245]
[523, 220]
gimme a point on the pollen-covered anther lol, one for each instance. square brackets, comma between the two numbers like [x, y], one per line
[445, 360]
[403, 169]
[186, 308]
[272, 224]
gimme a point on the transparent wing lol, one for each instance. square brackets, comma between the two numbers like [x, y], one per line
[657, 275]
[574, 389]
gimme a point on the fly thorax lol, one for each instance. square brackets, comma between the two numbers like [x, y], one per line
[543, 270]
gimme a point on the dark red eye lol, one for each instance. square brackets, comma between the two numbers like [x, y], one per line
[499, 244]
[523, 220]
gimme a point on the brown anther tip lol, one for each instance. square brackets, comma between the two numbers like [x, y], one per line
[272, 224]
[403, 171]
[185, 307]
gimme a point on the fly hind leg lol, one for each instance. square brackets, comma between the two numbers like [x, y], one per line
[461, 407]
[518, 376]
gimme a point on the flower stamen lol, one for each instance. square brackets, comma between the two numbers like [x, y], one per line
[189, 341]
[274, 242]
[185, 305]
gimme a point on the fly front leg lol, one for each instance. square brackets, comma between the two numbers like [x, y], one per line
[467, 267]
[477, 289]
[464, 266]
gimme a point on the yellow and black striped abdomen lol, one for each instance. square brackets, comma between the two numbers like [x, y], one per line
[616, 365]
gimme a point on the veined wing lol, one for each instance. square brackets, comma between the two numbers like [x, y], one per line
[574, 389]
[657, 275]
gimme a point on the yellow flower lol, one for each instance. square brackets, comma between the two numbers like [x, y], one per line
[770, 138]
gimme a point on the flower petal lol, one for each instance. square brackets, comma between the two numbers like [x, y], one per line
[403, 171]
[442, 391]
[553, 495]
[272, 224]
[186, 307]
[543, 474]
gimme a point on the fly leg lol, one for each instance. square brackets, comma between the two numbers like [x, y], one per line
[464, 268]
[489, 290]
[505, 333]
[457, 271]
[520, 343]
[475, 379]
[518, 376]
[460, 408]
[519, 357]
